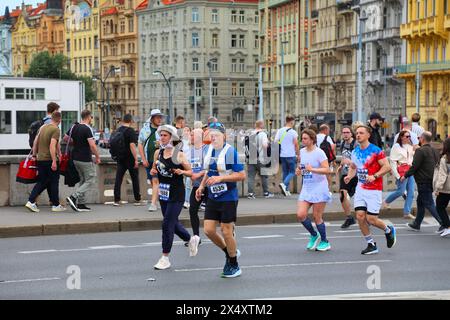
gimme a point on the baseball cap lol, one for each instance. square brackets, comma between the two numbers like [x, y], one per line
[376, 115]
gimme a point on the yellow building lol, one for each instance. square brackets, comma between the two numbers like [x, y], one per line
[427, 31]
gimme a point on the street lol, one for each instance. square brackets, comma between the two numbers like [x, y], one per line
[274, 262]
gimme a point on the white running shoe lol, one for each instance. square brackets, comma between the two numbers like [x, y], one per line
[59, 208]
[193, 245]
[32, 207]
[152, 208]
[288, 193]
[186, 205]
[445, 233]
[283, 189]
[163, 263]
[140, 203]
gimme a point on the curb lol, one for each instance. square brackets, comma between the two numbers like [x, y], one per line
[143, 225]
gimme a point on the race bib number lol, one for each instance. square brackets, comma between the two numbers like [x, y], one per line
[218, 189]
[164, 192]
[362, 175]
[196, 165]
[307, 175]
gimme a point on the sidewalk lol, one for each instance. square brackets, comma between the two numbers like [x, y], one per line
[19, 222]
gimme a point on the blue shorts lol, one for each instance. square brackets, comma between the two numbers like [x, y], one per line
[149, 176]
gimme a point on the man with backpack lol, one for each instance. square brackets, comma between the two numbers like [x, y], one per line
[326, 143]
[257, 145]
[123, 150]
[148, 144]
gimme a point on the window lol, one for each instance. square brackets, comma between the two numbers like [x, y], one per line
[67, 119]
[241, 16]
[233, 16]
[215, 16]
[195, 15]
[25, 118]
[195, 40]
[5, 122]
[122, 26]
[256, 42]
[130, 25]
[242, 89]
[234, 40]
[241, 65]
[215, 40]
[214, 65]
[96, 43]
[215, 89]
[241, 41]
[234, 89]
[238, 115]
[194, 64]
[233, 65]
[175, 41]
[256, 17]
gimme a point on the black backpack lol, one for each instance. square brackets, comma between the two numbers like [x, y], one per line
[117, 146]
[250, 145]
[33, 131]
[326, 147]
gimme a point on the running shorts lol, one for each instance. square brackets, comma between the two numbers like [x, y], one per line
[370, 200]
[222, 211]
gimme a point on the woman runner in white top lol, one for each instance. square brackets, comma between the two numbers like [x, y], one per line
[313, 167]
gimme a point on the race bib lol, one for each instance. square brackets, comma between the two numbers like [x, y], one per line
[218, 189]
[196, 165]
[307, 175]
[164, 192]
[362, 175]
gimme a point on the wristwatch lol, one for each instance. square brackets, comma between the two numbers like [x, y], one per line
[375, 176]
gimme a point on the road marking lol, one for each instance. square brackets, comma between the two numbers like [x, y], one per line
[28, 280]
[106, 247]
[38, 251]
[431, 222]
[290, 265]
[398, 235]
[349, 231]
[388, 222]
[265, 237]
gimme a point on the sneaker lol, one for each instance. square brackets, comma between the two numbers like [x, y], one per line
[413, 226]
[348, 222]
[313, 242]
[251, 196]
[163, 263]
[391, 237]
[186, 205]
[72, 201]
[203, 207]
[445, 233]
[193, 246]
[268, 195]
[152, 208]
[116, 204]
[440, 230]
[232, 271]
[283, 189]
[83, 208]
[385, 206]
[225, 267]
[371, 249]
[59, 208]
[409, 217]
[323, 246]
[288, 193]
[32, 207]
[140, 203]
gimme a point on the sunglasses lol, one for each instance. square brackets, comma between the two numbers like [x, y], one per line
[407, 136]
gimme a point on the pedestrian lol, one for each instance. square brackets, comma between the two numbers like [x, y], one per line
[206, 136]
[424, 162]
[170, 164]
[375, 123]
[347, 190]
[127, 160]
[401, 159]
[223, 172]
[83, 148]
[442, 187]
[258, 145]
[369, 163]
[313, 168]
[326, 143]
[287, 137]
[47, 152]
[413, 137]
[148, 143]
[416, 128]
[180, 124]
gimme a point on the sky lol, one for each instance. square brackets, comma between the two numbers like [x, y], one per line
[13, 3]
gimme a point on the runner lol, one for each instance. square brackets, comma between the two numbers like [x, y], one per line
[170, 164]
[223, 172]
[347, 190]
[313, 167]
[370, 164]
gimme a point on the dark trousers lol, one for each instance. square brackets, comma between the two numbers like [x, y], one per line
[425, 201]
[47, 179]
[122, 167]
[171, 225]
[442, 201]
[193, 210]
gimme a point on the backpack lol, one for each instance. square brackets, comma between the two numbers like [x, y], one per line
[117, 147]
[251, 144]
[326, 147]
[33, 131]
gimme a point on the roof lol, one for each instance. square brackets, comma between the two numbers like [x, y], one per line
[110, 11]
[37, 11]
[142, 5]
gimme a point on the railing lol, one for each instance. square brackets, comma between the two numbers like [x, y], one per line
[200, 99]
[423, 67]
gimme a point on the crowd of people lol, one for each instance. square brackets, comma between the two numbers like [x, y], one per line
[197, 169]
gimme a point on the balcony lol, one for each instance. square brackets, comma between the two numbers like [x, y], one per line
[128, 56]
[200, 100]
[424, 27]
[375, 77]
[109, 36]
[447, 22]
[127, 79]
[287, 83]
[370, 36]
[391, 33]
[432, 67]
[344, 44]
[345, 7]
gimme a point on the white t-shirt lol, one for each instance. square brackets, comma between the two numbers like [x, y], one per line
[314, 158]
[287, 143]
[321, 137]
[262, 141]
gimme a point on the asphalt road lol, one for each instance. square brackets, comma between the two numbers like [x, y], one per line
[274, 262]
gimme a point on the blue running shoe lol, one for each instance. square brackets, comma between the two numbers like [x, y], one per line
[391, 237]
[232, 272]
[323, 246]
[313, 242]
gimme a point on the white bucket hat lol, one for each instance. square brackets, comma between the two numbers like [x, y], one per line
[155, 112]
[171, 129]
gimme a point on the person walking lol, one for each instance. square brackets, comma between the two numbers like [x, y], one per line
[47, 152]
[148, 143]
[258, 145]
[126, 140]
[223, 172]
[413, 137]
[170, 164]
[375, 122]
[424, 162]
[369, 163]
[401, 159]
[313, 168]
[287, 137]
[416, 128]
[442, 187]
[347, 190]
[83, 148]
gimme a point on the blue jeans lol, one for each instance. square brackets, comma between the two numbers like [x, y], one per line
[425, 201]
[288, 167]
[408, 186]
[171, 225]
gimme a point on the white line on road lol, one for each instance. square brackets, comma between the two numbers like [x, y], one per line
[106, 247]
[360, 236]
[38, 251]
[290, 265]
[265, 237]
[28, 280]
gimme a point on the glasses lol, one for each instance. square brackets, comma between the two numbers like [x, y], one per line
[406, 136]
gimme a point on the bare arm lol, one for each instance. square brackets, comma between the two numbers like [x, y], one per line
[142, 153]
[94, 150]
[185, 163]
[385, 168]
[134, 153]
[53, 152]
[324, 168]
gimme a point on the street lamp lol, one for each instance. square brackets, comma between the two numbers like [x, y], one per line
[282, 83]
[209, 65]
[169, 86]
[362, 19]
[116, 70]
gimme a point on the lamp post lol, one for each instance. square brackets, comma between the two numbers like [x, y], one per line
[362, 19]
[282, 83]
[209, 65]
[169, 86]
[116, 70]
[385, 87]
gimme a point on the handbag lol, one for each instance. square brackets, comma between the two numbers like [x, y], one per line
[27, 173]
[403, 169]
[65, 157]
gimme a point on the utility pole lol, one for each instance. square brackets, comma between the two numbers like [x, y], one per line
[385, 88]
[261, 106]
[282, 85]
[195, 99]
[360, 70]
[418, 83]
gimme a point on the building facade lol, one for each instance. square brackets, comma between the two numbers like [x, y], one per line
[191, 42]
[426, 30]
[6, 22]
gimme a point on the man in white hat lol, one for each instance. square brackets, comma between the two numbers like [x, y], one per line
[148, 144]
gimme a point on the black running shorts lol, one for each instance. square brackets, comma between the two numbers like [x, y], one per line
[350, 187]
[222, 211]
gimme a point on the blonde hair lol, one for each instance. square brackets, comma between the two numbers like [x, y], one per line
[198, 125]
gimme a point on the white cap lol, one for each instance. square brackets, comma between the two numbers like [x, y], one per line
[171, 129]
